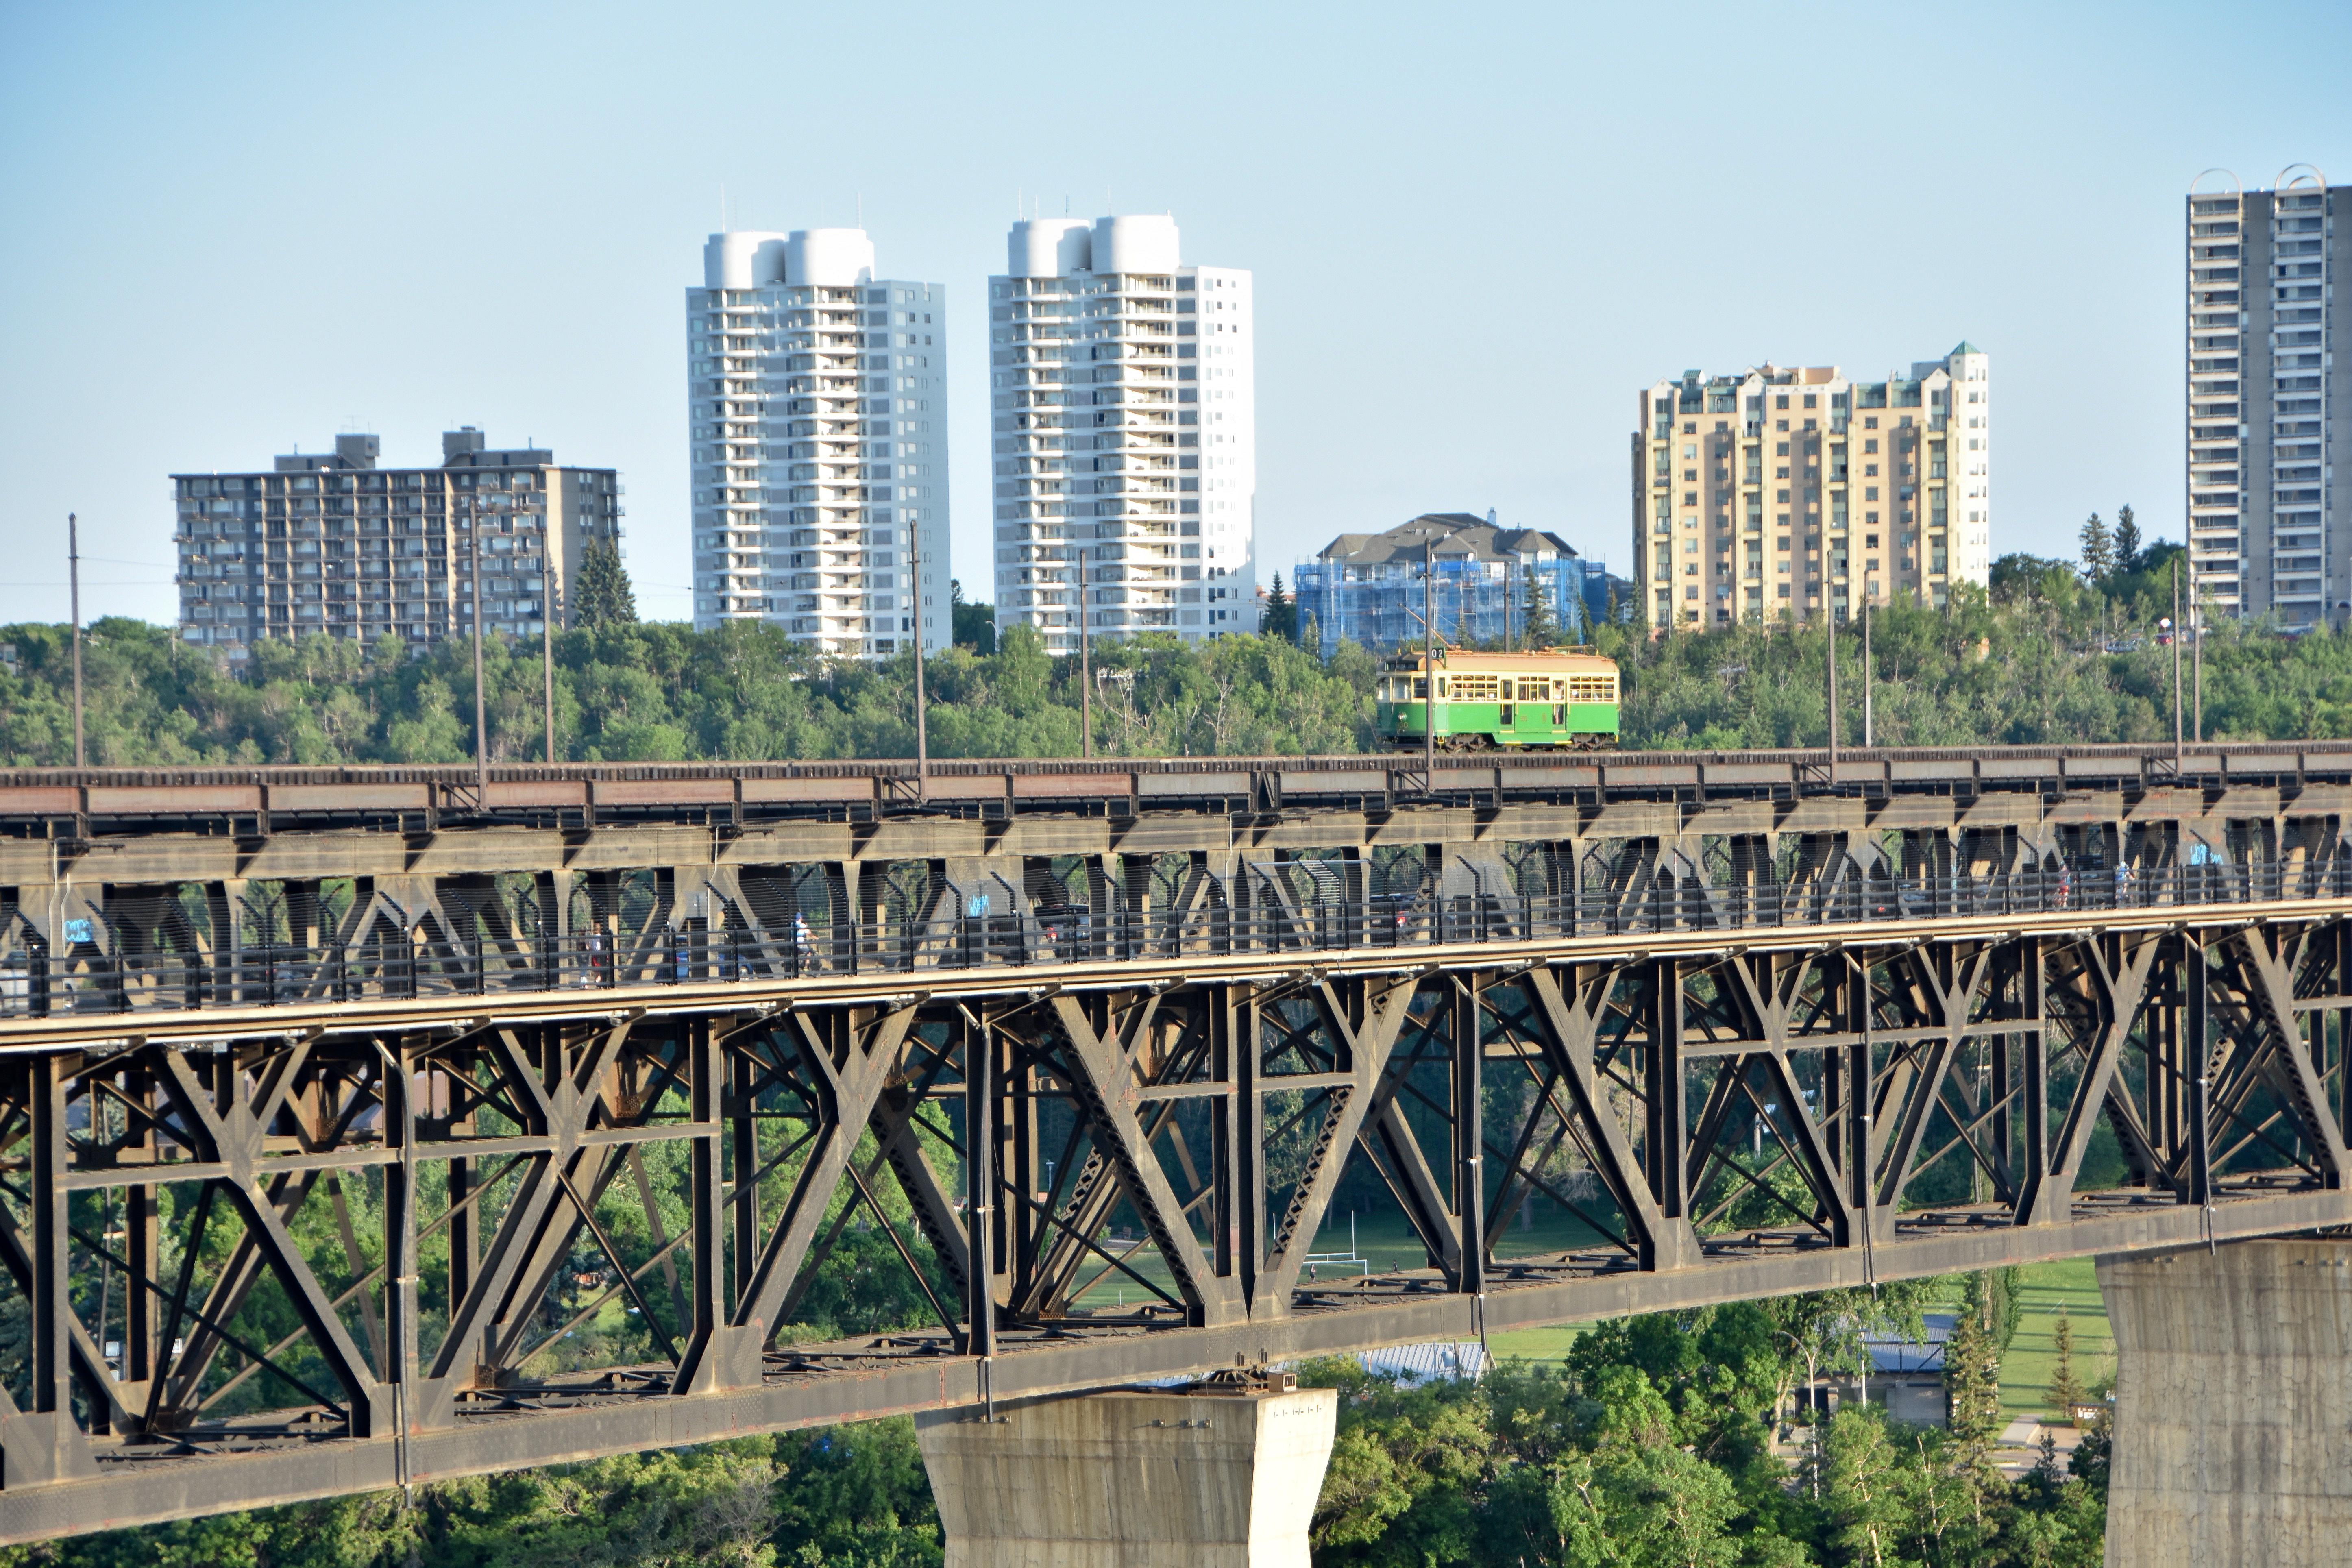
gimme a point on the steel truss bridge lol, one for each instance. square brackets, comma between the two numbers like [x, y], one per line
[360, 1128]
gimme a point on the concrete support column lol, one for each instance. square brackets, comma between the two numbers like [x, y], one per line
[2233, 1406]
[1177, 1479]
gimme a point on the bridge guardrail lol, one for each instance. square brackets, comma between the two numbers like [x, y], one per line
[37, 982]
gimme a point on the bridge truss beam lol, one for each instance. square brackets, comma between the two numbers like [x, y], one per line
[276, 1252]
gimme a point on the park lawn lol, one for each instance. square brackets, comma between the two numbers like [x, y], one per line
[2031, 1357]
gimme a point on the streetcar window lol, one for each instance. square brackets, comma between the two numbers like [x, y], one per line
[1419, 688]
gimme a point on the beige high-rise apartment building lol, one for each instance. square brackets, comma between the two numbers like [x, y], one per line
[1796, 490]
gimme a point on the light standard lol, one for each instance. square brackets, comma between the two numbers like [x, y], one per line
[477, 506]
[73, 575]
[1086, 669]
[1429, 538]
[481, 701]
[922, 735]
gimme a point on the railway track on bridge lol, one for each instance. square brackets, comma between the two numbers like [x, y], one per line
[332, 1101]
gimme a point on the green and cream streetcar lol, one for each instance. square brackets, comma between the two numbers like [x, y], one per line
[1541, 701]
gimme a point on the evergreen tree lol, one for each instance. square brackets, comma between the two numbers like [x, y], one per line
[1281, 617]
[2098, 551]
[601, 596]
[1542, 631]
[1972, 1368]
[2065, 1384]
[2127, 550]
[974, 626]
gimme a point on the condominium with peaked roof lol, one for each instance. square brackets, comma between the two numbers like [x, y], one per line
[1796, 492]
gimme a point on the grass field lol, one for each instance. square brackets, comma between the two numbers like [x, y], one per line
[2026, 1370]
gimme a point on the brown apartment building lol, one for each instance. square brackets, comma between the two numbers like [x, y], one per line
[330, 543]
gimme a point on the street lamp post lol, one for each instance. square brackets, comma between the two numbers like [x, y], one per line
[922, 735]
[481, 700]
[2176, 667]
[1085, 668]
[1829, 625]
[547, 588]
[1429, 538]
[1429, 662]
[73, 575]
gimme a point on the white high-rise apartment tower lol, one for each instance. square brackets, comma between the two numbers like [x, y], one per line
[2269, 408]
[1124, 431]
[819, 418]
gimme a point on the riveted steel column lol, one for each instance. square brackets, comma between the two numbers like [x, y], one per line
[52, 1307]
[2194, 1051]
[1469, 1136]
[980, 1192]
[2034, 1182]
[1667, 1127]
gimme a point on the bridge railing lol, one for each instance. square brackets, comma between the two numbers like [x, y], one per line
[36, 982]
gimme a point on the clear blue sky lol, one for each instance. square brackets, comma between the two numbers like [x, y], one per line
[229, 229]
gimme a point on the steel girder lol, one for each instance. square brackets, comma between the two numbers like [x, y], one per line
[270, 1266]
[318, 1231]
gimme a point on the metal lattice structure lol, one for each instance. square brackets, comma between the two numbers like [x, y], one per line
[356, 1130]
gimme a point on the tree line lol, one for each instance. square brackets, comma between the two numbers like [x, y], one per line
[1658, 1442]
[2050, 654]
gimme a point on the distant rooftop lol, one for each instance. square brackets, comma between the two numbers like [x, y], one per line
[1461, 534]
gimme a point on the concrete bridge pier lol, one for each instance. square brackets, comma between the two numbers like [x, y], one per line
[2233, 1406]
[1181, 1478]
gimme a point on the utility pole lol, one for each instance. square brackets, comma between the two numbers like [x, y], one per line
[1869, 735]
[2197, 665]
[1829, 624]
[922, 736]
[1429, 662]
[547, 645]
[73, 578]
[481, 699]
[1086, 669]
[2176, 667]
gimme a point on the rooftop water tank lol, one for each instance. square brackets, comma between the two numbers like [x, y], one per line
[743, 258]
[1145, 242]
[1048, 247]
[823, 255]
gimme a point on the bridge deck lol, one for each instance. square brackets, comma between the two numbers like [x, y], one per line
[335, 1107]
[415, 795]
